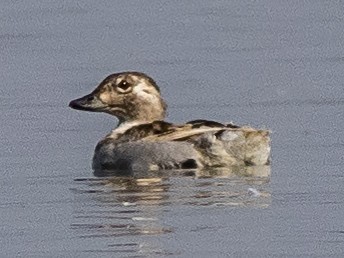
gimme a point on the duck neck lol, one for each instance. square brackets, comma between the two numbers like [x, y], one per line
[142, 114]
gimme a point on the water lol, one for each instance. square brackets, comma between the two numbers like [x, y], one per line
[271, 64]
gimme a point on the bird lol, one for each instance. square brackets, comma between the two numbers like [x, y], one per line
[143, 140]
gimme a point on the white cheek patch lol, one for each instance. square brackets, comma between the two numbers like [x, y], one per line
[145, 92]
[118, 80]
[105, 97]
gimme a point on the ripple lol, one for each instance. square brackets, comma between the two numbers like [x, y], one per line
[128, 208]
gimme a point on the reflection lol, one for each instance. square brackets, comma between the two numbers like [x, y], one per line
[245, 171]
[121, 209]
[252, 172]
[126, 210]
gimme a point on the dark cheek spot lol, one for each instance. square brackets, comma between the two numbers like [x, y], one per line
[189, 164]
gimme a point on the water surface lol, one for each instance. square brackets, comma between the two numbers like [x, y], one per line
[270, 64]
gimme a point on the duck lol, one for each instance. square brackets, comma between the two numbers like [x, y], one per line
[143, 140]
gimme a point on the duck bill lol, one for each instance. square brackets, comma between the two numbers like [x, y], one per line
[89, 102]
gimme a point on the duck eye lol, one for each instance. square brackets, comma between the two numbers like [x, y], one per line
[123, 86]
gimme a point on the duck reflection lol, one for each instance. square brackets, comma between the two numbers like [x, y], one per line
[126, 210]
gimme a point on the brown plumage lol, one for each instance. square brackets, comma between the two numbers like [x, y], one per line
[144, 141]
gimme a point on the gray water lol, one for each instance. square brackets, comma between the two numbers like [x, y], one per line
[271, 64]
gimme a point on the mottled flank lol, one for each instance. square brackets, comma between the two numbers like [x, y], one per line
[143, 141]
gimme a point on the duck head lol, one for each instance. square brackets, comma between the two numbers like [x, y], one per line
[130, 96]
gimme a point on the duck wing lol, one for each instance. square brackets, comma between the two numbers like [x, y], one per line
[191, 129]
[219, 144]
[164, 131]
[201, 143]
[209, 123]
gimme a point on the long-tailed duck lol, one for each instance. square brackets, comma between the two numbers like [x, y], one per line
[143, 141]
